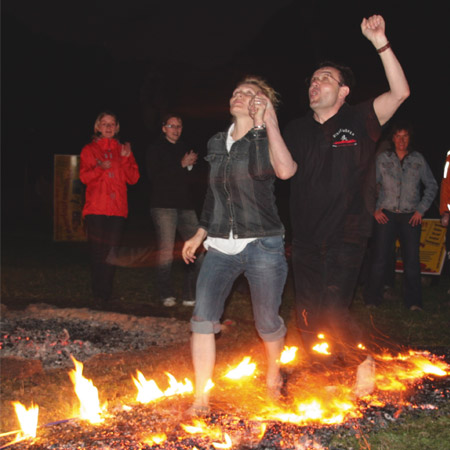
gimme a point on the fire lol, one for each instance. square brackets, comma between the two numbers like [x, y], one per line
[288, 355]
[157, 439]
[149, 391]
[396, 371]
[28, 419]
[87, 393]
[315, 398]
[322, 348]
[244, 369]
[209, 385]
[214, 433]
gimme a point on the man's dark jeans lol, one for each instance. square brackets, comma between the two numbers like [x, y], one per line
[384, 239]
[325, 278]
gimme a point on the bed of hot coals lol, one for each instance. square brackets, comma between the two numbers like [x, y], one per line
[318, 402]
[50, 335]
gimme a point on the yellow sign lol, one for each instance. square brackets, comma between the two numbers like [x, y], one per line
[68, 199]
[432, 248]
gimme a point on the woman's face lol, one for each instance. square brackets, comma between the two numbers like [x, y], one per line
[107, 127]
[241, 98]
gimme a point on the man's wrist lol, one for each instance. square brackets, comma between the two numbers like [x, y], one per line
[384, 48]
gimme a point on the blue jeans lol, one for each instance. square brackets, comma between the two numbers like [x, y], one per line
[325, 278]
[384, 239]
[167, 221]
[263, 263]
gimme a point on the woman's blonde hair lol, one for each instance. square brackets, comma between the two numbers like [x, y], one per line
[264, 87]
[100, 117]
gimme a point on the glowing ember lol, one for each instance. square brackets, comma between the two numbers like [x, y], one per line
[288, 355]
[87, 393]
[244, 369]
[149, 391]
[28, 419]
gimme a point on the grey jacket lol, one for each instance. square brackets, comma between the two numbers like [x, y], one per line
[240, 195]
[400, 183]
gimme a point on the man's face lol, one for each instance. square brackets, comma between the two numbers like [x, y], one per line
[401, 140]
[324, 88]
[173, 129]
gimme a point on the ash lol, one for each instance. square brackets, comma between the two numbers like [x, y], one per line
[51, 335]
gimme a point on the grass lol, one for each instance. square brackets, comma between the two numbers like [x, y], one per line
[36, 269]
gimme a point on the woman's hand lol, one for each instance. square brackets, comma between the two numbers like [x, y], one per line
[191, 246]
[257, 108]
[126, 150]
[105, 165]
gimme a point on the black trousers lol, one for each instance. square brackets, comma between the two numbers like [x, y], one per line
[325, 278]
[104, 235]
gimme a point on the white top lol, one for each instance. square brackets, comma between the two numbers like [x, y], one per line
[228, 246]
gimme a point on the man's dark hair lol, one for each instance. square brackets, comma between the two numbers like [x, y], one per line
[345, 73]
[401, 125]
[168, 116]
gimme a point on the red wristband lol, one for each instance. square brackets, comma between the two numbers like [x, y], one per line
[385, 47]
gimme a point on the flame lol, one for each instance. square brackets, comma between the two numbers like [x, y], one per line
[28, 419]
[157, 439]
[322, 348]
[87, 393]
[288, 354]
[215, 433]
[244, 369]
[227, 444]
[148, 390]
[408, 367]
[209, 385]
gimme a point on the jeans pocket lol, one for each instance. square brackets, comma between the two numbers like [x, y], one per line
[272, 244]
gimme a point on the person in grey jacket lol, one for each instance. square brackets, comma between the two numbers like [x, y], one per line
[400, 173]
[244, 234]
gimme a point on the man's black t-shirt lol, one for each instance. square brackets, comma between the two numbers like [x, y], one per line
[333, 191]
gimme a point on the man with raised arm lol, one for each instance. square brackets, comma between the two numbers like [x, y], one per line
[331, 201]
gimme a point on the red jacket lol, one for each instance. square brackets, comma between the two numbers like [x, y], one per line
[445, 187]
[106, 190]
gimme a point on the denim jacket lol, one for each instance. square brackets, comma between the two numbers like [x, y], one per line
[400, 183]
[240, 195]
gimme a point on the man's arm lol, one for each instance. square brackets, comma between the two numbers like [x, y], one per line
[263, 113]
[387, 103]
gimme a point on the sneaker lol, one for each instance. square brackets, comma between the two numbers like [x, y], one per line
[415, 308]
[169, 301]
[188, 302]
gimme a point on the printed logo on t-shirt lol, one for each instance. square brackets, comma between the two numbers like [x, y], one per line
[344, 138]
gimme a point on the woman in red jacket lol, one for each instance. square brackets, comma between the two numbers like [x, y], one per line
[107, 166]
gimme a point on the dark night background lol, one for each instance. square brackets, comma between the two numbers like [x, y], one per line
[64, 62]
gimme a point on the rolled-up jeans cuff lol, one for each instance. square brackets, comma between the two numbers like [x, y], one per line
[276, 335]
[205, 327]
